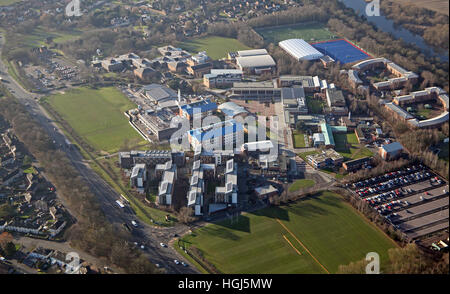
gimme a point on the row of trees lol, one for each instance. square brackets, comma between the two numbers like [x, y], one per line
[407, 260]
[416, 141]
[92, 233]
[431, 25]
[238, 30]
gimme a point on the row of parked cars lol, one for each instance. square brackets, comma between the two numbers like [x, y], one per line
[387, 176]
[394, 183]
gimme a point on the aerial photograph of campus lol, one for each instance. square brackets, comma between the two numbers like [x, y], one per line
[217, 137]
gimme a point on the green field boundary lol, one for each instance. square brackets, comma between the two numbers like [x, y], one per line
[198, 265]
[141, 212]
[14, 73]
[365, 219]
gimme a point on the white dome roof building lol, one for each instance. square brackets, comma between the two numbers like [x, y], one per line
[300, 50]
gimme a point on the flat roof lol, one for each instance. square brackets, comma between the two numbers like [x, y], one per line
[255, 61]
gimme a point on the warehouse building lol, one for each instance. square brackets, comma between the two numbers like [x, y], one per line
[255, 61]
[256, 64]
[300, 50]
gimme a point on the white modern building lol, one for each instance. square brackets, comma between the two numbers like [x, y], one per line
[300, 50]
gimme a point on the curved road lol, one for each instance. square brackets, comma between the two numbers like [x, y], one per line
[147, 235]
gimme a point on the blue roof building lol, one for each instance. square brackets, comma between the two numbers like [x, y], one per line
[203, 106]
[225, 131]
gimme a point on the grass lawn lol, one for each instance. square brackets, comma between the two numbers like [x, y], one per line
[301, 184]
[38, 37]
[315, 106]
[30, 170]
[314, 235]
[299, 139]
[8, 2]
[215, 47]
[354, 151]
[97, 116]
[309, 32]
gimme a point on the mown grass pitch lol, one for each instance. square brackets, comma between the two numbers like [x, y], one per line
[215, 47]
[97, 116]
[300, 184]
[331, 233]
[309, 32]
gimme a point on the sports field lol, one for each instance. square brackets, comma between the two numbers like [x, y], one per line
[308, 32]
[97, 116]
[347, 145]
[301, 184]
[314, 235]
[215, 47]
[341, 50]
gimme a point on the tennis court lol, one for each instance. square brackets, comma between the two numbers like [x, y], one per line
[341, 50]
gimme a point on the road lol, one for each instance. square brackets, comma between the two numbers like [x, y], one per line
[145, 234]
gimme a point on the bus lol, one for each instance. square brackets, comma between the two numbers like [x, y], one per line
[120, 204]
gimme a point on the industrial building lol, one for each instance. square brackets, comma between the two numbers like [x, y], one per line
[300, 50]
[222, 78]
[159, 94]
[255, 61]
[159, 122]
[259, 91]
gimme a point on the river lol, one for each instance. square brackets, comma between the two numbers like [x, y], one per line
[387, 25]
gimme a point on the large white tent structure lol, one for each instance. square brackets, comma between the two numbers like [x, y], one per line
[300, 50]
